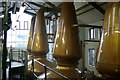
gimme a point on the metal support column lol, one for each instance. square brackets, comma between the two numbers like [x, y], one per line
[4, 55]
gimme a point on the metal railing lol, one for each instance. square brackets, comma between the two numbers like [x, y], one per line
[45, 70]
[21, 60]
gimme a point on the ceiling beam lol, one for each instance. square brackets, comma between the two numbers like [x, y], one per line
[51, 10]
[59, 6]
[86, 25]
[54, 7]
[50, 4]
[49, 15]
[30, 13]
[30, 7]
[10, 9]
[101, 10]
[47, 9]
[90, 9]
[80, 8]
[36, 4]
[85, 11]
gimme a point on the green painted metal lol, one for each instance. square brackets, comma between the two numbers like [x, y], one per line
[4, 55]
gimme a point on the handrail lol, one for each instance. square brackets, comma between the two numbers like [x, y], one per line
[19, 51]
[24, 63]
[46, 67]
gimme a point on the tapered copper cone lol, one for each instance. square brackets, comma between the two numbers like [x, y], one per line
[30, 38]
[39, 47]
[108, 57]
[40, 43]
[67, 49]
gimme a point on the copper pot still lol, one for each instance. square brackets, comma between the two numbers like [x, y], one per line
[67, 47]
[39, 46]
[29, 44]
[108, 56]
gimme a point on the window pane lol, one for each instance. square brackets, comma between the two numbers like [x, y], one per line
[91, 58]
[25, 24]
[92, 33]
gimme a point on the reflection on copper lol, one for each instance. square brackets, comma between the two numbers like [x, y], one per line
[30, 38]
[38, 69]
[40, 43]
[108, 56]
[67, 49]
[39, 46]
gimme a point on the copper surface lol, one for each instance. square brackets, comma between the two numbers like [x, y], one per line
[39, 69]
[67, 49]
[31, 31]
[69, 72]
[40, 43]
[108, 56]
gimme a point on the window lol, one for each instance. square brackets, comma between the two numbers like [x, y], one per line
[17, 35]
[50, 53]
[51, 28]
[18, 25]
[26, 25]
[99, 33]
[17, 38]
[91, 57]
[92, 33]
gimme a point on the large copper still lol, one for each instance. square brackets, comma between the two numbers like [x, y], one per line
[108, 56]
[39, 46]
[67, 49]
[30, 39]
[36, 67]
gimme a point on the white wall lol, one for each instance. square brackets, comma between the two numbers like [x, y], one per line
[84, 35]
[18, 38]
[89, 45]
